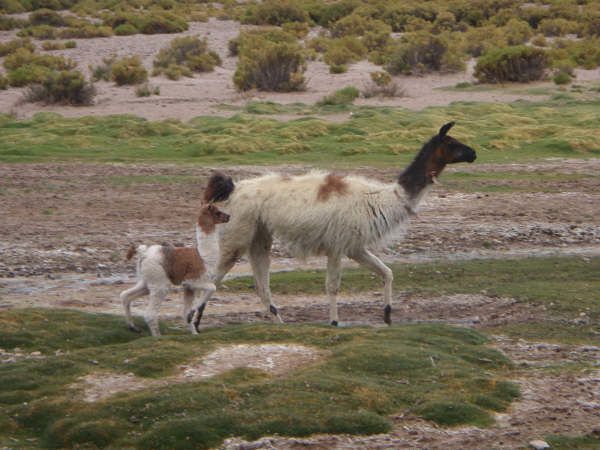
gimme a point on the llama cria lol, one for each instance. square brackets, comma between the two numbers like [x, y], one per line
[331, 215]
[161, 266]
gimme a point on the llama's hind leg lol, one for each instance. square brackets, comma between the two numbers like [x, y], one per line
[260, 262]
[157, 295]
[127, 297]
[369, 260]
[332, 285]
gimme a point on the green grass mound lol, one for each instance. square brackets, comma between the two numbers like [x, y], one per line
[367, 375]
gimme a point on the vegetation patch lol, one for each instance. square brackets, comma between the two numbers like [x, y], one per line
[517, 64]
[369, 374]
[269, 61]
[65, 87]
[185, 55]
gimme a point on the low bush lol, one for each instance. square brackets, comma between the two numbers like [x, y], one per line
[103, 71]
[3, 82]
[175, 72]
[10, 23]
[381, 84]
[343, 96]
[84, 32]
[298, 29]
[125, 29]
[148, 23]
[128, 70]
[47, 17]
[344, 50]
[146, 90]
[39, 32]
[269, 61]
[582, 53]
[325, 14]
[190, 52]
[53, 45]
[64, 87]
[275, 12]
[14, 45]
[539, 40]
[561, 78]
[516, 64]
[422, 52]
[25, 67]
[557, 27]
[517, 31]
[477, 41]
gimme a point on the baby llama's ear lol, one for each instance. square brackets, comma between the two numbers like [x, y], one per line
[444, 130]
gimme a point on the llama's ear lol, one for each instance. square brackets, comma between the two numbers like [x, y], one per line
[444, 130]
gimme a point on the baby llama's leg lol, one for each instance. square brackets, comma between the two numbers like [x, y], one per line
[127, 297]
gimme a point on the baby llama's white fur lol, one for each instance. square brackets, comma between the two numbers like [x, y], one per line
[153, 276]
[320, 214]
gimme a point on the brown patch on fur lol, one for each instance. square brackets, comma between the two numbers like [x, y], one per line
[182, 263]
[333, 184]
[130, 252]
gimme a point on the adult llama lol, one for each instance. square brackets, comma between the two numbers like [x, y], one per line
[327, 214]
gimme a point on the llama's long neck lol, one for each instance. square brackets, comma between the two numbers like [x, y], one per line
[418, 177]
[208, 247]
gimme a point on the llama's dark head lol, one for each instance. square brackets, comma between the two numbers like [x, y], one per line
[439, 151]
[210, 216]
[450, 150]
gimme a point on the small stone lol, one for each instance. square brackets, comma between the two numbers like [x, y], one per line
[539, 445]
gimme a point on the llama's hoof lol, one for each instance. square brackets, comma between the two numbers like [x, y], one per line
[387, 314]
[134, 328]
[334, 323]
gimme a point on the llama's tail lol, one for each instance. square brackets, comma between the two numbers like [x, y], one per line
[219, 188]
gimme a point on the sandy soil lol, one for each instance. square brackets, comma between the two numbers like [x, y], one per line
[202, 95]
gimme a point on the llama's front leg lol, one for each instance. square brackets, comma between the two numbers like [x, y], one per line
[188, 300]
[369, 260]
[195, 316]
[156, 298]
[127, 297]
[332, 286]
[260, 262]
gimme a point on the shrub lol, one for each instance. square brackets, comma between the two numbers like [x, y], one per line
[592, 25]
[23, 57]
[46, 17]
[128, 70]
[149, 23]
[583, 53]
[344, 96]
[103, 71]
[51, 45]
[125, 29]
[540, 41]
[298, 29]
[422, 52]
[338, 68]
[39, 32]
[357, 25]
[556, 27]
[561, 78]
[517, 32]
[517, 64]
[275, 12]
[345, 50]
[14, 45]
[325, 14]
[190, 52]
[146, 90]
[84, 32]
[10, 23]
[66, 87]
[269, 61]
[3, 82]
[382, 84]
[477, 41]
[175, 72]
